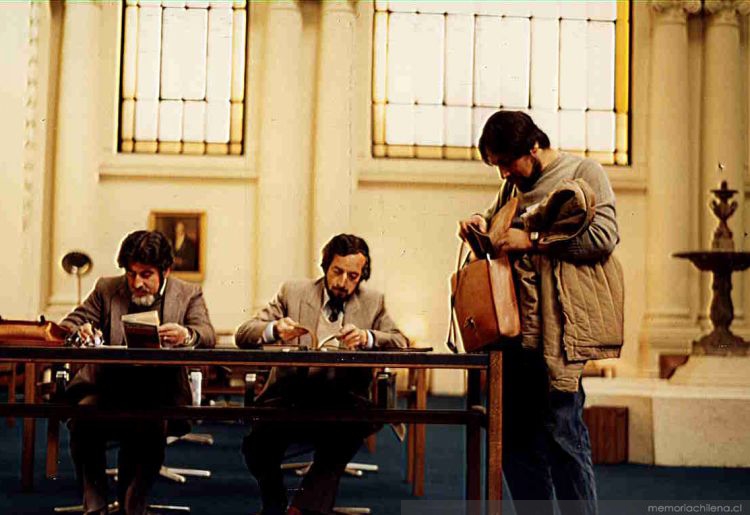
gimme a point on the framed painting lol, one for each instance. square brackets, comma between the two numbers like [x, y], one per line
[186, 230]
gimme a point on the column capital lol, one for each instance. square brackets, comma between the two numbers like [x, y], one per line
[726, 11]
[676, 10]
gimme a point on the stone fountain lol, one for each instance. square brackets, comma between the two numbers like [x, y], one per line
[722, 260]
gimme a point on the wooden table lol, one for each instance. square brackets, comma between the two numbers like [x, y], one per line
[474, 416]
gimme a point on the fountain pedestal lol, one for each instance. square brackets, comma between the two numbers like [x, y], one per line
[722, 263]
[722, 260]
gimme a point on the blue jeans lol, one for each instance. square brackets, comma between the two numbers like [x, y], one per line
[546, 446]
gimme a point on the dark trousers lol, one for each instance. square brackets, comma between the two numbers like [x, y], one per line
[334, 444]
[546, 446]
[140, 456]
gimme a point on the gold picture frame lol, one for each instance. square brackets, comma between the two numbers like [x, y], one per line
[186, 231]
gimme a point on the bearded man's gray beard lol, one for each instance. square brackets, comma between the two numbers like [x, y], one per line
[143, 300]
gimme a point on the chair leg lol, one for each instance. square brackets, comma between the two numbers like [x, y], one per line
[113, 506]
[53, 447]
[156, 508]
[168, 508]
[188, 472]
[11, 421]
[355, 469]
[203, 439]
[169, 474]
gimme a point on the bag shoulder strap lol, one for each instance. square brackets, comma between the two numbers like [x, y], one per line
[507, 191]
[450, 339]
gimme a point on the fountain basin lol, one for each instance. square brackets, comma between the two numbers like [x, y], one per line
[717, 260]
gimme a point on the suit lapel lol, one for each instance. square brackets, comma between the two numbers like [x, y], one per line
[172, 301]
[119, 307]
[309, 313]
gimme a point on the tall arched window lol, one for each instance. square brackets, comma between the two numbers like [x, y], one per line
[183, 77]
[440, 69]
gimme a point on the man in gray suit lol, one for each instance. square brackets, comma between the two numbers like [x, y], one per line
[304, 313]
[147, 258]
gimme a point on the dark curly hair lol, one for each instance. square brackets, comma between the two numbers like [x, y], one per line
[345, 245]
[146, 247]
[511, 134]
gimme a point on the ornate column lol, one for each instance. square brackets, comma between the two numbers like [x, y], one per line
[283, 183]
[333, 182]
[722, 124]
[77, 155]
[667, 324]
[14, 66]
[45, 26]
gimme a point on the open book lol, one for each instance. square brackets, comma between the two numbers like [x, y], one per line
[141, 330]
[299, 331]
[483, 244]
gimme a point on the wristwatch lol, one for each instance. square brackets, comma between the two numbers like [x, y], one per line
[534, 237]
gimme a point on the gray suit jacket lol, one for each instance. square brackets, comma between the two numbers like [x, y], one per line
[302, 301]
[182, 304]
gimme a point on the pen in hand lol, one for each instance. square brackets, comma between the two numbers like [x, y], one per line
[352, 337]
[89, 335]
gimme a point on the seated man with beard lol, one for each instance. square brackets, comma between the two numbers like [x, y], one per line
[334, 304]
[146, 257]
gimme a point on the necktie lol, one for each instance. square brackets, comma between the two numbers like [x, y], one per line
[334, 309]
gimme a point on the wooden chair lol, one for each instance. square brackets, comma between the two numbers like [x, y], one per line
[10, 377]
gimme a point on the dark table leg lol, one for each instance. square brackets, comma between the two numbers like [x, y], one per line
[29, 430]
[473, 439]
[419, 434]
[495, 427]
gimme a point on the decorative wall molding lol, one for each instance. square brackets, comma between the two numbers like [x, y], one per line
[30, 117]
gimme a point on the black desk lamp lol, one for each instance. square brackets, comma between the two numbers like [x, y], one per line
[79, 264]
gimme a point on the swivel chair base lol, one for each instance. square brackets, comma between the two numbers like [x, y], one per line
[156, 508]
[352, 468]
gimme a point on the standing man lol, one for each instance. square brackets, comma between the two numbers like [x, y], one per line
[546, 447]
[146, 285]
[335, 304]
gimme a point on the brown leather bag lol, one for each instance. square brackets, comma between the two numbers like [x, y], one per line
[483, 295]
[484, 300]
[22, 333]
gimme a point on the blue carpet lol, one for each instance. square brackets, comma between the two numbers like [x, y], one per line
[231, 489]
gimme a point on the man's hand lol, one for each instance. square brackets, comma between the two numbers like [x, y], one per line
[514, 240]
[173, 335]
[476, 221]
[352, 337]
[287, 329]
[89, 335]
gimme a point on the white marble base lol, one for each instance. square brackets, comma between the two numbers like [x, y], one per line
[714, 371]
[679, 424]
